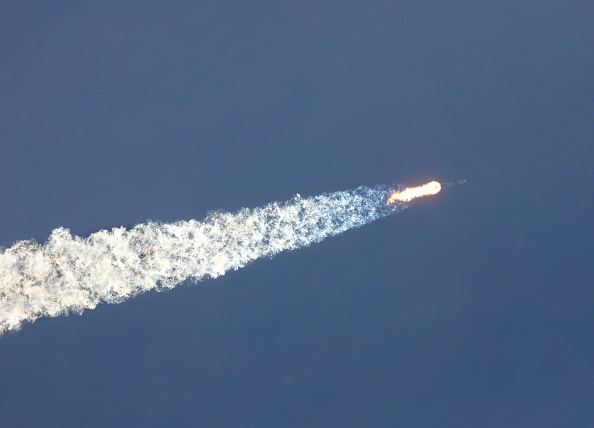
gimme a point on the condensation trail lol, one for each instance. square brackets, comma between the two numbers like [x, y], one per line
[70, 274]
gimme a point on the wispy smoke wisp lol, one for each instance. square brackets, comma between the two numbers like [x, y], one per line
[70, 274]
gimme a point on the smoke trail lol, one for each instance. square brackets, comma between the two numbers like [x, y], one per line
[70, 274]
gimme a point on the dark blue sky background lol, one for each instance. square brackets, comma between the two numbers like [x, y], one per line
[471, 309]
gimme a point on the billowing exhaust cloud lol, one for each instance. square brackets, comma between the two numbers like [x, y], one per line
[70, 274]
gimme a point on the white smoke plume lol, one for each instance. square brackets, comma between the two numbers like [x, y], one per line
[70, 274]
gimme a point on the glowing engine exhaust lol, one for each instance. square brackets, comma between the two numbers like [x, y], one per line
[69, 274]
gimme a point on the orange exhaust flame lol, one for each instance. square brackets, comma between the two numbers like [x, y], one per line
[410, 193]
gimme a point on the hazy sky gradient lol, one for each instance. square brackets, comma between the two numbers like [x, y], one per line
[471, 308]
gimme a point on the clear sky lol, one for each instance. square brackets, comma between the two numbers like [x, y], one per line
[472, 308]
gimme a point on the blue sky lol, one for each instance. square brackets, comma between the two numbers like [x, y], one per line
[471, 308]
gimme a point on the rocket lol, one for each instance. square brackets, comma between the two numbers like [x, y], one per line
[453, 183]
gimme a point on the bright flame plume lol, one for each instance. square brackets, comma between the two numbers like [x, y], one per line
[410, 193]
